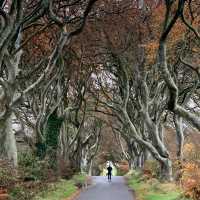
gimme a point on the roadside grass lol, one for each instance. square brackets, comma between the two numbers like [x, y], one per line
[79, 179]
[152, 189]
[61, 189]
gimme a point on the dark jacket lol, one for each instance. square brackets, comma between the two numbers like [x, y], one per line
[109, 170]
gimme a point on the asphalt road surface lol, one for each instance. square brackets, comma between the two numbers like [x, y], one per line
[104, 190]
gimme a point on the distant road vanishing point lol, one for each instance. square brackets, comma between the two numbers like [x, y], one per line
[104, 190]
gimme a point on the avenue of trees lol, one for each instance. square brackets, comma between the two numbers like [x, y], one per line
[68, 69]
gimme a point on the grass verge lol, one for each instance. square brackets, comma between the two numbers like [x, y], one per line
[152, 189]
[62, 189]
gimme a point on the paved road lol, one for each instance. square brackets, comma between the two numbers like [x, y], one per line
[104, 190]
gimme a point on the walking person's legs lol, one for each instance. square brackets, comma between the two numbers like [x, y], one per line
[109, 177]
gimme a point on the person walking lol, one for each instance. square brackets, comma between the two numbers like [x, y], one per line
[109, 168]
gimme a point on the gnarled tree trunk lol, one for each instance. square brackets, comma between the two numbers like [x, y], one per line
[8, 147]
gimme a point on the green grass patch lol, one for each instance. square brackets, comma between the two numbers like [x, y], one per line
[168, 196]
[62, 189]
[152, 189]
[58, 191]
[79, 178]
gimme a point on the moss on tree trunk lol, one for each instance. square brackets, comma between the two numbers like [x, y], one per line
[49, 147]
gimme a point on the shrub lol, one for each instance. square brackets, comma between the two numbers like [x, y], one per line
[27, 190]
[191, 180]
[32, 168]
[20, 193]
[190, 172]
[122, 168]
[151, 168]
[65, 169]
[7, 174]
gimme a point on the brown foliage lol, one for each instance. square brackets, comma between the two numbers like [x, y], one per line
[190, 179]
[66, 170]
[123, 167]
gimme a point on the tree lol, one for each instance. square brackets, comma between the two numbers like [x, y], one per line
[14, 19]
